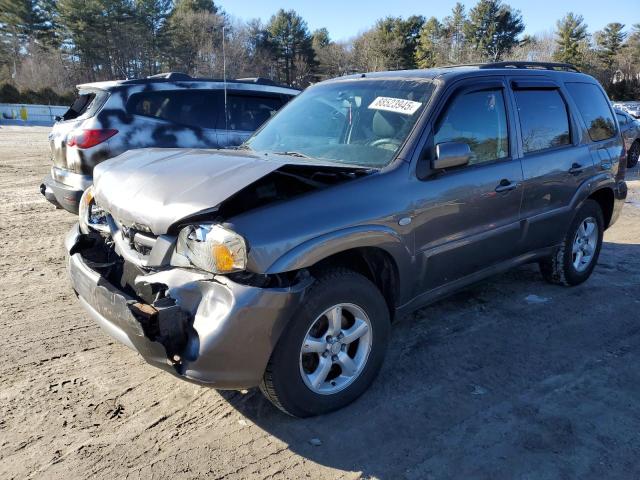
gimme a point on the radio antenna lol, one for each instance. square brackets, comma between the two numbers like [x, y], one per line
[224, 79]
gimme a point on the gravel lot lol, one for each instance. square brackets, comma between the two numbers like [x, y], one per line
[484, 384]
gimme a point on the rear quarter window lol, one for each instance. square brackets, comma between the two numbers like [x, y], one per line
[594, 109]
[192, 108]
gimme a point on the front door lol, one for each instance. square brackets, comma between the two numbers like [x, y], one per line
[468, 217]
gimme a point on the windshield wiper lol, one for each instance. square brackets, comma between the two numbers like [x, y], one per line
[294, 154]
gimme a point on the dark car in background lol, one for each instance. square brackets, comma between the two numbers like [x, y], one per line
[282, 263]
[630, 128]
[168, 111]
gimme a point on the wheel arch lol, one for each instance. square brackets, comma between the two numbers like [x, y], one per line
[377, 252]
[605, 198]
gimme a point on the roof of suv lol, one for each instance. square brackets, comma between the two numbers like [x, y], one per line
[449, 72]
[183, 80]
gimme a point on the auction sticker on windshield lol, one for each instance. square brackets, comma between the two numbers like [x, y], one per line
[398, 105]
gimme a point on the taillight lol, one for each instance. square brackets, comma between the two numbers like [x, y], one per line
[89, 138]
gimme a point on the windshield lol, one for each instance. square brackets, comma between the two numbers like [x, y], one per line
[360, 122]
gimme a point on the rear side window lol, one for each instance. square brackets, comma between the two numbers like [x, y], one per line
[248, 112]
[478, 119]
[543, 119]
[594, 108]
[192, 108]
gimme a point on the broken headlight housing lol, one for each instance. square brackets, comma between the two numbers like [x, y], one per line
[90, 215]
[212, 248]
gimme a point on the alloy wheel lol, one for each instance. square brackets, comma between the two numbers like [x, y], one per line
[584, 244]
[335, 349]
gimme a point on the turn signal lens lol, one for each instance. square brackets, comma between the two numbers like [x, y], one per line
[89, 138]
[212, 248]
[223, 258]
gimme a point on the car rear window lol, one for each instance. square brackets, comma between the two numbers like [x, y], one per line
[594, 108]
[543, 119]
[248, 112]
[193, 108]
[86, 104]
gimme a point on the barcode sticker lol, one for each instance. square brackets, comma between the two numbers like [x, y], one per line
[397, 105]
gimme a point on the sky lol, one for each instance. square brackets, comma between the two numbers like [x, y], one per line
[346, 18]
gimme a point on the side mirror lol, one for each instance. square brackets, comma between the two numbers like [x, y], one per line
[57, 118]
[451, 154]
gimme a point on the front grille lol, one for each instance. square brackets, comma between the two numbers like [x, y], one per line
[134, 241]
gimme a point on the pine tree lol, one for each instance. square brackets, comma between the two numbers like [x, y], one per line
[454, 28]
[571, 39]
[291, 47]
[493, 28]
[610, 42]
[428, 48]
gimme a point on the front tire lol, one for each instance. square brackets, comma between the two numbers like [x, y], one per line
[573, 262]
[332, 349]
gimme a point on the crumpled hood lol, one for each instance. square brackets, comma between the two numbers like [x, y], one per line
[157, 187]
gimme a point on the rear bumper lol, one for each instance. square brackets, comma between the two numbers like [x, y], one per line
[231, 328]
[64, 189]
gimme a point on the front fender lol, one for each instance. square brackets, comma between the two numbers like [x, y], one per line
[312, 251]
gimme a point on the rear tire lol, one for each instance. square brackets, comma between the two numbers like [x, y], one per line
[633, 154]
[324, 331]
[573, 262]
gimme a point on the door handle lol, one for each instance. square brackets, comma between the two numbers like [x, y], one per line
[576, 168]
[506, 185]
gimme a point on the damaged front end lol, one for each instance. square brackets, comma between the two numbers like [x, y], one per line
[156, 263]
[200, 326]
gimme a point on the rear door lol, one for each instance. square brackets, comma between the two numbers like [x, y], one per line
[246, 112]
[468, 217]
[554, 162]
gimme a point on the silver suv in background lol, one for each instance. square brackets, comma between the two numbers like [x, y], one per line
[630, 128]
[169, 110]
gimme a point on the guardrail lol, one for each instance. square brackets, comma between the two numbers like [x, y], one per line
[23, 114]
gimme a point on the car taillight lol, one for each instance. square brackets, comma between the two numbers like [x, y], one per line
[89, 138]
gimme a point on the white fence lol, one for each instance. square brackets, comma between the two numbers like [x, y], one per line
[21, 114]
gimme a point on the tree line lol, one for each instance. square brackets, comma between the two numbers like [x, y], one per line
[49, 46]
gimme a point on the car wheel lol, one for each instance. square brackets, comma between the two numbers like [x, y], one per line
[332, 349]
[633, 154]
[573, 262]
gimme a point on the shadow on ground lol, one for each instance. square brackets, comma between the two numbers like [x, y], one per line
[486, 384]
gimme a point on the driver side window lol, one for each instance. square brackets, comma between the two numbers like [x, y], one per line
[478, 119]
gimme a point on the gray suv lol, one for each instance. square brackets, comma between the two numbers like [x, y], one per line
[166, 110]
[283, 263]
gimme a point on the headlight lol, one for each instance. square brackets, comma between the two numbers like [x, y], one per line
[90, 215]
[213, 248]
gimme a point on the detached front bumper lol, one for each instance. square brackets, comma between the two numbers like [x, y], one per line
[231, 329]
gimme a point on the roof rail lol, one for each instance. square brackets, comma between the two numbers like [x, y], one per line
[565, 67]
[257, 81]
[171, 76]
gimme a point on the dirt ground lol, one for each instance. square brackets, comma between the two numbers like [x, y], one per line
[490, 383]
